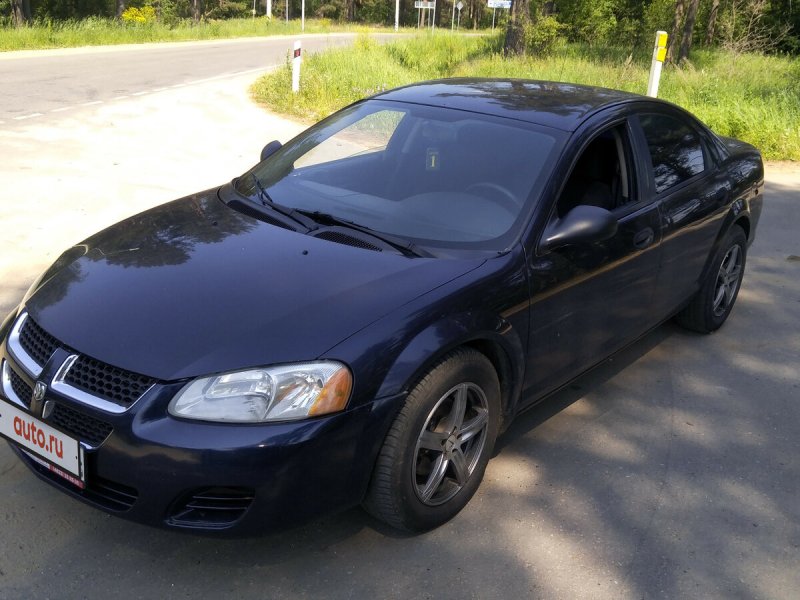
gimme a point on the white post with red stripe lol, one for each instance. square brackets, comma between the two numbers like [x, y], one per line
[296, 60]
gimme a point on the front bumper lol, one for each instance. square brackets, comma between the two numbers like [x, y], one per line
[231, 478]
[147, 466]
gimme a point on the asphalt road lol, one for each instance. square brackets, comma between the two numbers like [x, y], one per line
[671, 471]
[41, 85]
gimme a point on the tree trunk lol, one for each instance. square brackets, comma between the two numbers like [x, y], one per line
[351, 10]
[20, 12]
[196, 10]
[120, 8]
[515, 32]
[712, 22]
[688, 31]
[674, 31]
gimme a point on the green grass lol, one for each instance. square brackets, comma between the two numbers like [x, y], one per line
[338, 77]
[96, 31]
[750, 97]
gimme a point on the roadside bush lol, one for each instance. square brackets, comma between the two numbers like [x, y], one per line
[139, 16]
[542, 37]
[229, 10]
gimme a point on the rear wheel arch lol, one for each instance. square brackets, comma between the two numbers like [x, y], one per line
[710, 306]
[732, 219]
[744, 222]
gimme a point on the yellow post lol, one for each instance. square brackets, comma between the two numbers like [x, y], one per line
[659, 54]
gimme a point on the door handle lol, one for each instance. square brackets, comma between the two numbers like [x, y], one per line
[644, 238]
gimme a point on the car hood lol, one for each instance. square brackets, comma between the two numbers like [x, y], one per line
[194, 287]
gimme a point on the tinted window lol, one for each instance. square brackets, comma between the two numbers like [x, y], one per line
[439, 177]
[674, 148]
[601, 175]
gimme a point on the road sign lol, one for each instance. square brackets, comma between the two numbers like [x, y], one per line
[460, 5]
[499, 3]
[424, 4]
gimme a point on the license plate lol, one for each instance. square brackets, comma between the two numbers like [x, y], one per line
[51, 448]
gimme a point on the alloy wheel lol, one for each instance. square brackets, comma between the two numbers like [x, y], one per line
[730, 271]
[450, 444]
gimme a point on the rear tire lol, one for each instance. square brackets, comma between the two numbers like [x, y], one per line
[712, 304]
[435, 453]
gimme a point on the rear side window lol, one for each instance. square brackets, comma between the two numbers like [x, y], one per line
[675, 149]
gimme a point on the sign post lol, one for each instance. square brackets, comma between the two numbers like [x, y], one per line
[296, 60]
[659, 54]
[495, 4]
[459, 6]
[421, 5]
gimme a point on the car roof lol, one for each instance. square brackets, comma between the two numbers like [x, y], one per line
[561, 105]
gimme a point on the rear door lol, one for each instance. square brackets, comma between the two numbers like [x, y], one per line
[683, 178]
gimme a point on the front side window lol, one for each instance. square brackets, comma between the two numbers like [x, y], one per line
[602, 176]
[675, 150]
[437, 177]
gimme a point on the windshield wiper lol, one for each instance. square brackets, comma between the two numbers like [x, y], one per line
[291, 213]
[405, 246]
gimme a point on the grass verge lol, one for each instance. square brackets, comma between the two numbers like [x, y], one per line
[95, 31]
[751, 97]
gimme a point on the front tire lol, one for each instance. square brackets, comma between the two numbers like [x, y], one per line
[709, 309]
[435, 453]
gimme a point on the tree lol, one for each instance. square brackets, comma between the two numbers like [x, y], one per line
[688, 31]
[674, 31]
[197, 10]
[712, 22]
[744, 27]
[515, 32]
[20, 12]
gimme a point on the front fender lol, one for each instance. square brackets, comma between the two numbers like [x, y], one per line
[489, 333]
[486, 309]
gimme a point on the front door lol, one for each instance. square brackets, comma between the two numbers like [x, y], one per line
[589, 300]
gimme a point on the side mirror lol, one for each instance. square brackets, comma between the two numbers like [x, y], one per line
[582, 225]
[270, 149]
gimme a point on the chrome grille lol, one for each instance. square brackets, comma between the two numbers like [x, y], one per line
[104, 381]
[21, 389]
[81, 378]
[36, 342]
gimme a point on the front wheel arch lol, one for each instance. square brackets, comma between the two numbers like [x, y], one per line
[490, 335]
[436, 451]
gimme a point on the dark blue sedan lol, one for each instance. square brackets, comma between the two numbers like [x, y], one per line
[357, 318]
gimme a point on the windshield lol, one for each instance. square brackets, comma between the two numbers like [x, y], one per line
[436, 177]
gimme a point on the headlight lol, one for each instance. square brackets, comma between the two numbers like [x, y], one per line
[281, 393]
